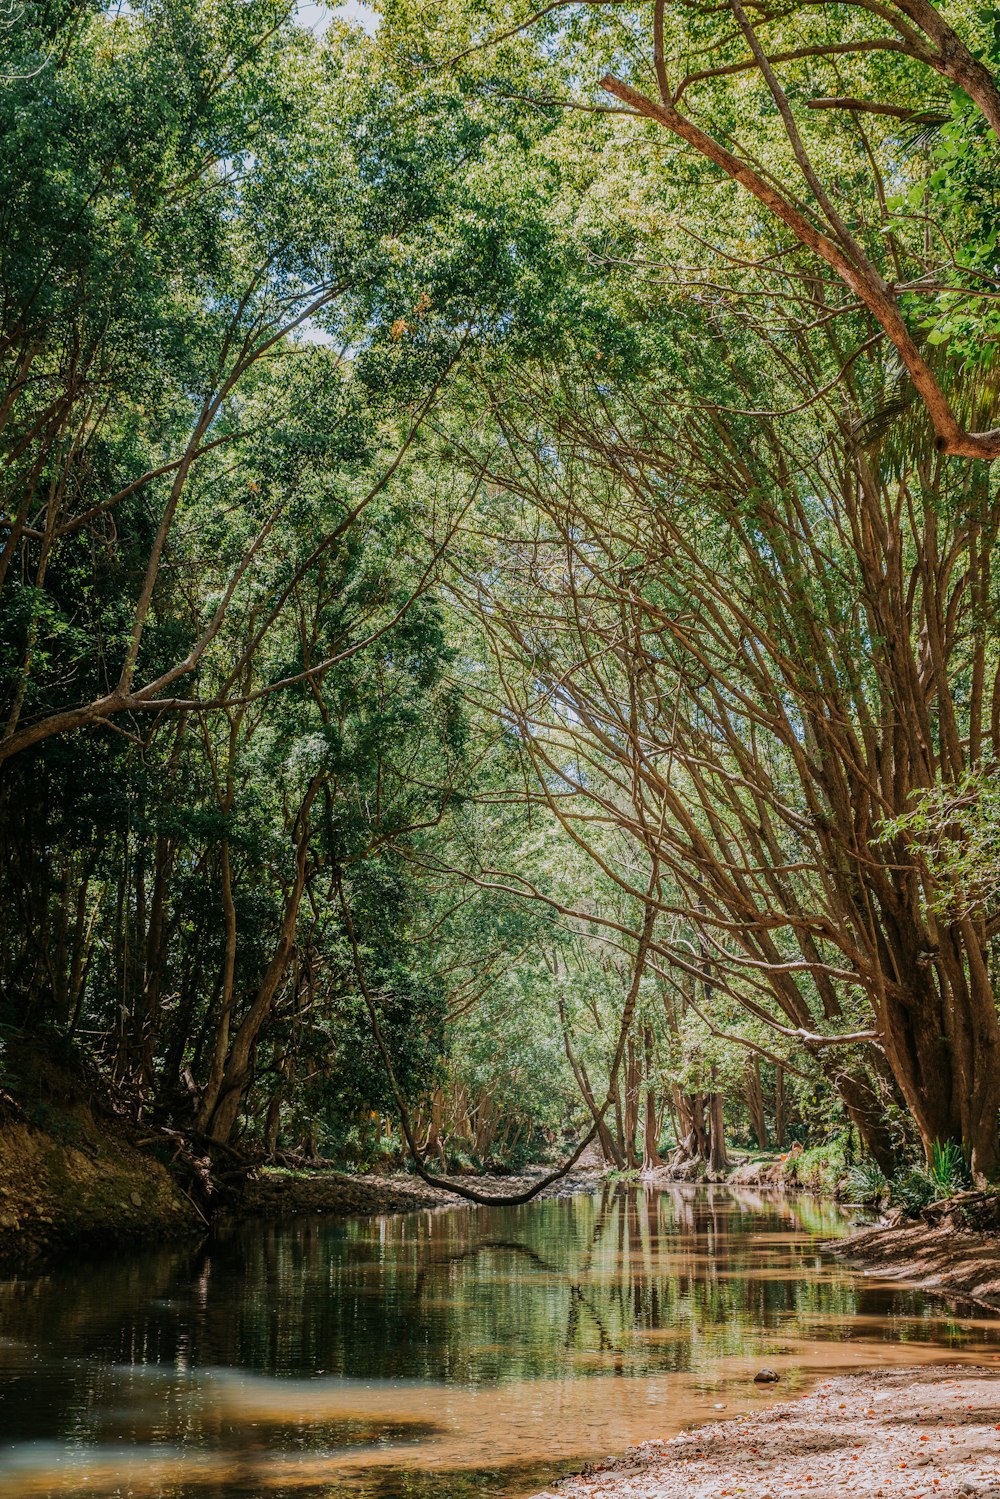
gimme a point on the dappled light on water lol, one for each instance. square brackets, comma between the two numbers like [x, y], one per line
[469, 1352]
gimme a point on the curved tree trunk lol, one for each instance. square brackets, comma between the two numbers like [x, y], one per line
[219, 1115]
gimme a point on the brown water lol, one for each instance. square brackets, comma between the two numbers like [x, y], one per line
[469, 1352]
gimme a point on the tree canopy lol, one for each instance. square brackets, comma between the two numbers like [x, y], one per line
[499, 636]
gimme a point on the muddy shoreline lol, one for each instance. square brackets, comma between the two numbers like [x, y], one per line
[913, 1432]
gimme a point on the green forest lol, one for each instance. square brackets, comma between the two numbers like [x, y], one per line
[499, 649]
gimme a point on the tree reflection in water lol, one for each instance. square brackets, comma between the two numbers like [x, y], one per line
[461, 1352]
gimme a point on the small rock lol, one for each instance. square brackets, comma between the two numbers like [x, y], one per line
[766, 1376]
[137, 1199]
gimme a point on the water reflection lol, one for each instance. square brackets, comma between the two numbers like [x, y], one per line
[467, 1352]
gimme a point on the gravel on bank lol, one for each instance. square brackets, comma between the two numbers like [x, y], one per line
[902, 1432]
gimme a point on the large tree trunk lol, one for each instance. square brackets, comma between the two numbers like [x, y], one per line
[942, 1041]
[718, 1159]
[691, 1114]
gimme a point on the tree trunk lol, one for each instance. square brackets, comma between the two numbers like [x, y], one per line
[609, 1148]
[691, 1113]
[779, 1107]
[434, 1144]
[221, 1117]
[486, 1122]
[718, 1160]
[867, 1112]
[632, 1086]
[651, 1120]
[220, 1048]
[272, 1124]
[755, 1100]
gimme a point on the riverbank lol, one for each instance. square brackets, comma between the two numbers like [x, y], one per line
[954, 1247]
[273, 1193]
[912, 1432]
[74, 1178]
[81, 1183]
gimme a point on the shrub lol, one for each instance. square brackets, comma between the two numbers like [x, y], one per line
[947, 1169]
[912, 1189]
[821, 1167]
[945, 1174]
[867, 1181]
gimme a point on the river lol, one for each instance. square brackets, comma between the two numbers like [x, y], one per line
[436, 1355]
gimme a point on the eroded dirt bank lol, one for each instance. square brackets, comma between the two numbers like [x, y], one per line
[73, 1172]
[81, 1184]
[912, 1432]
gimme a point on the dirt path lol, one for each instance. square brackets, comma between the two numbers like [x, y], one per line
[910, 1432]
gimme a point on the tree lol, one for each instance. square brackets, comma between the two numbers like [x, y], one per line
[749, 659]
[815, 112]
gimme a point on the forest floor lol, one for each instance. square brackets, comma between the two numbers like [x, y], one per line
[887, 1434]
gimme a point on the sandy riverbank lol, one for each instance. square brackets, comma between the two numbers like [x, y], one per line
[910, 1432]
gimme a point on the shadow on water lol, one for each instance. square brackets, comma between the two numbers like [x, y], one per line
[469, 1353]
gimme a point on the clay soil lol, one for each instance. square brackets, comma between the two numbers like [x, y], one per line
[913, 1432]
[81, 1184]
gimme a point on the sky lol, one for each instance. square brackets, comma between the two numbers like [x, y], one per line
[317, 17]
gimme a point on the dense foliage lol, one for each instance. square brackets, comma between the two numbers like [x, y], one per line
[497, 604]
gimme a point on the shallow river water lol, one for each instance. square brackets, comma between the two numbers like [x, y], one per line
[444, 1355]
